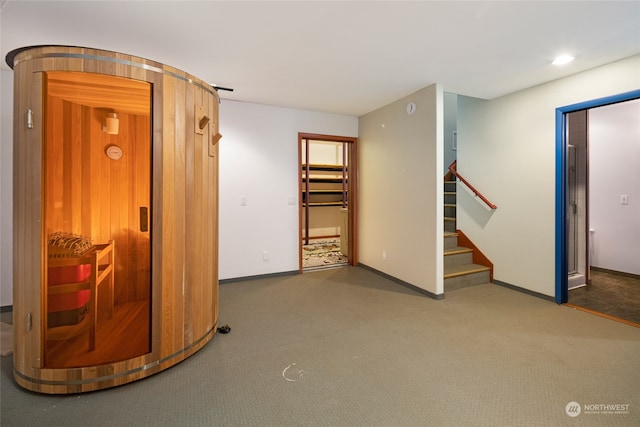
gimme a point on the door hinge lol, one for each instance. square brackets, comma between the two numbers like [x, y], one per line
[29, 321]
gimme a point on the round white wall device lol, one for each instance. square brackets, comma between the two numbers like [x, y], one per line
[114, 152]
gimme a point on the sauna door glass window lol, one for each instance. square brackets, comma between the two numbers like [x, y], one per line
[96, 291]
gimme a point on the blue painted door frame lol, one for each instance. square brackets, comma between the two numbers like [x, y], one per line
[562, 269]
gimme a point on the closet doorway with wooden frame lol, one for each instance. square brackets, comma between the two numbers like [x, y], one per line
[328, 201]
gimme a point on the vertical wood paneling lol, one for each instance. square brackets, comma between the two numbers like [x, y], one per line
[34, 253]
[189, 219]
[197, 231]
[99, 207]
[141, 189]
[168, 303]
[96, 196]
[27, 259]
[179, 212]
[183, 211]
[158, 224]
[87, 192]
[54, 166]
[131, 215]
[73, 123]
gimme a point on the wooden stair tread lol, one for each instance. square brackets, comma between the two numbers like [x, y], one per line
[447, 218]
[450, 234]
[461, 270]
[449, 193]
[450, 205]
[457, 250]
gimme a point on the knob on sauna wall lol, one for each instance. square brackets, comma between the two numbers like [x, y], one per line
[164, 285]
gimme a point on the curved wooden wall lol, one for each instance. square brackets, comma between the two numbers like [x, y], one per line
[184, 217]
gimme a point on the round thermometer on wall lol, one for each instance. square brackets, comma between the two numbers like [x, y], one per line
[411, 108]
[114, 152]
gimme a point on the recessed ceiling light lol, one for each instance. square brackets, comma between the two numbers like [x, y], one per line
[562, 60]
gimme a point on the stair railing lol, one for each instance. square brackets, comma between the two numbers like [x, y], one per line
[452, 169]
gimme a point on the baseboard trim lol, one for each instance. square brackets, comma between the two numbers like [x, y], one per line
[258, 276]
[524, 291]
[403, 283]
[621, 273]
[6, 308]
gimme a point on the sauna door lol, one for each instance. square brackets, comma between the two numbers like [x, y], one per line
[96, 189]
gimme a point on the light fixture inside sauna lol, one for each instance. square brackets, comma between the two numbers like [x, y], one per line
[111, 124]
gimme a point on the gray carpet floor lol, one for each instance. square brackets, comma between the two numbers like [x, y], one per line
[346, 347]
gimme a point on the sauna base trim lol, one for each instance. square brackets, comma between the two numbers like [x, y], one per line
[107, 381]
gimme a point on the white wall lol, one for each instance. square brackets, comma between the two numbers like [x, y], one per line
[324, 153]
[450, 125]
[614, 170]
[506, 149]
[6, 187]
[401, 190]
[259, 161]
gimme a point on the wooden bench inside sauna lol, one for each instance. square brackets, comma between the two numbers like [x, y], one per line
[76, 269]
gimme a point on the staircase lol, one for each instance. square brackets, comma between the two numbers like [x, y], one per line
[464, 264]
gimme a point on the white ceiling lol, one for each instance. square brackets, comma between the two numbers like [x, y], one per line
[337, 56]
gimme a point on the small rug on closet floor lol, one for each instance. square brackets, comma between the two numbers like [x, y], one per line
[6, 338]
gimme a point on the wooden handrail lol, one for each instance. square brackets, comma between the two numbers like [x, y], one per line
[452, 169]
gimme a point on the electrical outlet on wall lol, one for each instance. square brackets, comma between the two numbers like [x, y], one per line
[624, 199]
[384, 255]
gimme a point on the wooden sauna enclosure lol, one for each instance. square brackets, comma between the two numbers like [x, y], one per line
[115, 217]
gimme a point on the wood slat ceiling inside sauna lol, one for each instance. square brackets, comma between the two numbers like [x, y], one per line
[101, 91]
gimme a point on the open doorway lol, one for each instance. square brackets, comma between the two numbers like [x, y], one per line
[328, 202]
[598, 142]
